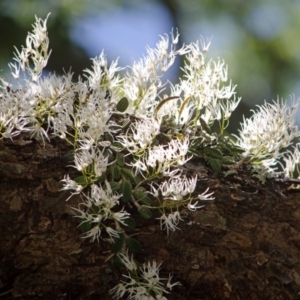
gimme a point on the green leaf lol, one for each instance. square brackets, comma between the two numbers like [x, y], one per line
[115, 172]
[68, 157]
[108, 137]
[115, 186]
[118, 243]
[81, 180]
[129, 175]
[213, 152]
[102, 178]
[126, 124]
[122, 104]
[120, 160]
[227, 160]
[85, 226]
[138, 195]
[195, 152]
[145, 212]
[133, 244]
[117, 146]
[146, 201]
[141, 195]
[214, 164]
[126, 191]
[204, 126]
[130, 223]
[116, 262]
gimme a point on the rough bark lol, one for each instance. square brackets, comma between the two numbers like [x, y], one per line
[243, 245]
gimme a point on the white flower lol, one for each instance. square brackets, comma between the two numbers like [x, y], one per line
[170, 285]
[144, 285]
[175, 188]
[89, 156]
[172, 155]
[119, 290]
[97, 207]
[71, 185]
[205, 196]
[291, 161]
[170, 222]
[267, 169]
[193, 206]
[92, 117]
[270, 129]
[129, 263]
[163, 158]
[94, 233]
[37, 130]
[105, 199]
[142, 84]
[121, 216]
[203, 89]
[34, 56]
[143, 133]
[151, 270]
[102, 76]
[112, 233]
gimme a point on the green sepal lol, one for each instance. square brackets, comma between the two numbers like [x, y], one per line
[133, 244]
[145, 212]
[118, 243]
[126, 191]
[122, 104]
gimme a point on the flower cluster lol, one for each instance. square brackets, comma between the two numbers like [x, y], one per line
[35, 52]
[130, 142]
[142, 283]
[266, 135]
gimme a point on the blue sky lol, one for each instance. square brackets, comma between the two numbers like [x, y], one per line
[122, 32]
